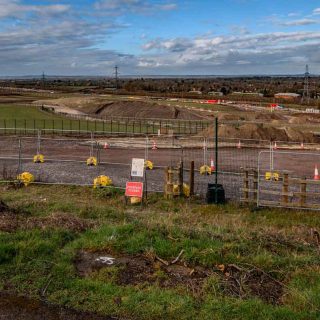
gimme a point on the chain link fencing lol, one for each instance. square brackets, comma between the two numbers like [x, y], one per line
[65, 158]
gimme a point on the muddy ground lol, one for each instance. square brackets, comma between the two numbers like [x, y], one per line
[151, 269]
[13, 307]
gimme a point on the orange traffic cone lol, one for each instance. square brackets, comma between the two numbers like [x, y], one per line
[239, 145]
[302, 145]
[154, 146]
[275, 147]
[212, 167]
[105, 146]
[316, 173]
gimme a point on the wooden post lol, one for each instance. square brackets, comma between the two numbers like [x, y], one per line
[285, 189]
[303, 192]
[169, 183]
[180, 178]
[191, 181]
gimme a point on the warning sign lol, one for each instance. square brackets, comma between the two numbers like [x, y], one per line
[137, 167]
[134, 189]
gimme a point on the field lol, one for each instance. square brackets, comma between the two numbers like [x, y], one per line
[171, 259]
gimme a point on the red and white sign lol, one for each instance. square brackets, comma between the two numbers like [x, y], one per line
[134, 189]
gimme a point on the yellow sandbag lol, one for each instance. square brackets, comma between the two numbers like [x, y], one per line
[26, 178]
[102, 181]
[38, 158]
[135, 200]
[205, 170]
[92, 161]
[186, 189]
[148, 164]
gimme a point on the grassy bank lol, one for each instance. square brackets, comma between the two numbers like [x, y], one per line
[176, 259]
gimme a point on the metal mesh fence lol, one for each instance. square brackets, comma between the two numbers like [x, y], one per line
[65, 158]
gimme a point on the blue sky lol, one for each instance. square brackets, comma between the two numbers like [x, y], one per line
[160, 37]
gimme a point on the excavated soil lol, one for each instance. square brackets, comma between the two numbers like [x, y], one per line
[261, 132]
[149, 269]
[142, 110]
[99, 107]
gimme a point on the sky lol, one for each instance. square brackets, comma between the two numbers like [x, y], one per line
[161, 37]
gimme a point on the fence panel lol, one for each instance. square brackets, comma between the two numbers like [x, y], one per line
[289, 179]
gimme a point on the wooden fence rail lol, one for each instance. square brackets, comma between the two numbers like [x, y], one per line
[285, 191]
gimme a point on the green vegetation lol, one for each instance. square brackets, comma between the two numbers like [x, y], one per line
[49, 226]
[19, 119]
[20, 113]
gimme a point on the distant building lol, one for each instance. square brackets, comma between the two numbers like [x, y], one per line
[287, 95]
[215, 93]
[253, 94]
[195, 92]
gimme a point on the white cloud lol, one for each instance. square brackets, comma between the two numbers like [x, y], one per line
[118, 7]
[316, 11]
[300, 22]
[293, 14]
[249, 53]
[15, 9]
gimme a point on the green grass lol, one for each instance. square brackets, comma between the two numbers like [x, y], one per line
[276, 241]
[19, 119]
[25, 113]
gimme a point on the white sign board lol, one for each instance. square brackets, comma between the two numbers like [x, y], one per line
[137, 167]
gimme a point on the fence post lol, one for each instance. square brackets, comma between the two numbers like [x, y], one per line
[285, 189]
[180, 178]
[246, 185]
[168, 183]
[191, 179]
[303, 192]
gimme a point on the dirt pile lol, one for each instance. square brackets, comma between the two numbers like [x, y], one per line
[262, 132]
[141, 110]
[106, 108]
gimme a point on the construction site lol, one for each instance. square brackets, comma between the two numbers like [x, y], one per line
[130, 207]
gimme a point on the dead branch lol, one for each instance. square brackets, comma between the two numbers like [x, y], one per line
[178, 257]
[162, 261]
